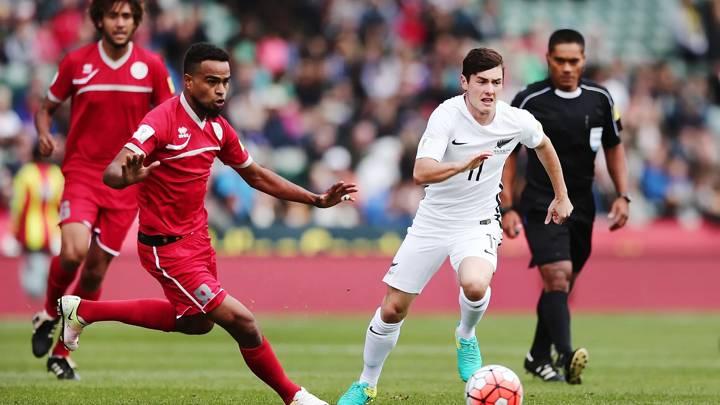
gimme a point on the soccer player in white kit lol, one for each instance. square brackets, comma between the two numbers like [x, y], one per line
[460, 158]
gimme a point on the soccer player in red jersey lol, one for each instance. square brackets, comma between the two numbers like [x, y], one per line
[180, 140]
[113, 84]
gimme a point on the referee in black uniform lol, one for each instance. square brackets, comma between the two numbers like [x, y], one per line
[579, 117]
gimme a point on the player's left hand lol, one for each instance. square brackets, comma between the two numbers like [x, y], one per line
[559, 210]
[619, 213]
[336, 193]
[133, 170]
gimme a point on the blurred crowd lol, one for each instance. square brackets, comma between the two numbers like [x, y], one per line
[341, 89]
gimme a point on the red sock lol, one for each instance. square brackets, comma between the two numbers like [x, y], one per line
[85, 294]
[59, 350]
[58, 281]
[150, 313]
[262, 362]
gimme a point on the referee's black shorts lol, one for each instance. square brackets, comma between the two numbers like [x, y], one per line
[552, 243]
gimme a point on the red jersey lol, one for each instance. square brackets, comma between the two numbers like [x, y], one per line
[172, 198]
[109, 98]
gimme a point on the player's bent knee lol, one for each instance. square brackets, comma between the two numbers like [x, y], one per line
[558, 284]
[245, 324]
[71, 258]
[248, 335]
[556, 277]
[392, 312]
[475, 290]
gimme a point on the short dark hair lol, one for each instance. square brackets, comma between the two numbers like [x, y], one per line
[202, 51]
[480, 60]
[98, 8]
[566, 36]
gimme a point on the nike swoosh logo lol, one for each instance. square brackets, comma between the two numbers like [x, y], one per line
[84, 80]
[393, 265]
[454, 142]
[490, 253]
[379, 334]
[503, 142]
[70, 315]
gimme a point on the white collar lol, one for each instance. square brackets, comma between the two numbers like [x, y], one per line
[569, 94]
[115, 64]
[190, 112]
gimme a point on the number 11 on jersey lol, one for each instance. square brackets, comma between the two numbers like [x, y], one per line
[479, 170]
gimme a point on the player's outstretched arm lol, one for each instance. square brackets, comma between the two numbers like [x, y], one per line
[428, 170]
[271, 183]
[617, 168]
[43, 123]
[126, 169]
[560, 208]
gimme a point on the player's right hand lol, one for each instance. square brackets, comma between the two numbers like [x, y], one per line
[47, 144]
[559, 210]
[476, 161]
[512, 224]
[133, 170]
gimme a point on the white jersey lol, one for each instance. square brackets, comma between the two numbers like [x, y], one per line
[453, 135]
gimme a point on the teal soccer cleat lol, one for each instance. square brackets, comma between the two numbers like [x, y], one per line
[468, 356]
[358, 394]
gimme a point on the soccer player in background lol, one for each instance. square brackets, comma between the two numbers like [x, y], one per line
[37, 188]
[460, 158]
[180, 139]
[579, 117]
[113, 84]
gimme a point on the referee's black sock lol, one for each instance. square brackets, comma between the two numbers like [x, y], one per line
[540, 348]
[557, 317]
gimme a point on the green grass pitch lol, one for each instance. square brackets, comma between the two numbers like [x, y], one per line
[634, 359]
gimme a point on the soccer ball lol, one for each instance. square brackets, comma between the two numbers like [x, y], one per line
[494, 385]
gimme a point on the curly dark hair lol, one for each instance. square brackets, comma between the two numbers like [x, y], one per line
[98, 8]
[202, 51]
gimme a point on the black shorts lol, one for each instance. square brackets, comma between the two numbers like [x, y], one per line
[552, 243]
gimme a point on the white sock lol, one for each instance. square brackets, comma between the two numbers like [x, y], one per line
[471, 312]
[380, 339]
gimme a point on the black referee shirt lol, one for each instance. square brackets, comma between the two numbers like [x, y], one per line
[577, 124]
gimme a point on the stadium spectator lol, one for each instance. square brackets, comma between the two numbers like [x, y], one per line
[689, 32]
[333, 46]
[37, 189]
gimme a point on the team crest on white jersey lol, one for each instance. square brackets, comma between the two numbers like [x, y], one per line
[503, 142]
[139, 70]
[500, 144]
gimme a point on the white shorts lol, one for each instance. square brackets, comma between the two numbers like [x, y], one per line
[427, 245]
